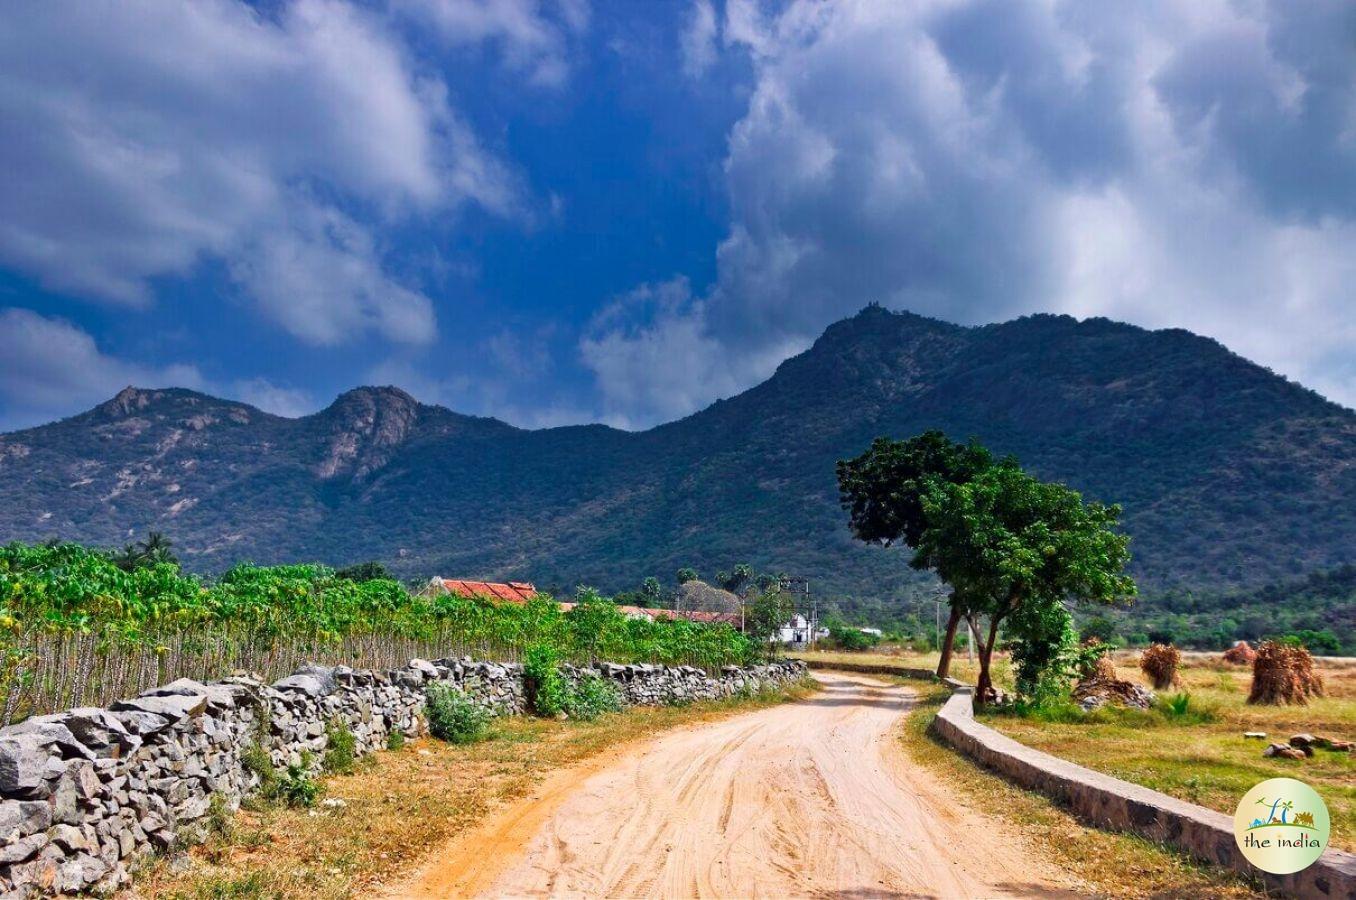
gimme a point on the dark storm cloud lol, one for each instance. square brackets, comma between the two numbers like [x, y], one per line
[1168, 164]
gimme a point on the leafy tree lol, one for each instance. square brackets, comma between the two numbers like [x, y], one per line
[737, 581]
[365, 571]
[1162, 634]
[1099, 627]
[1322, 642]
[766, 580]
[1043, 645]
[1004, 540]
[156, 549]
[595, 624]
[652, 591]
[852, 639]
[883, 491]
[686, 574]
[764, 617]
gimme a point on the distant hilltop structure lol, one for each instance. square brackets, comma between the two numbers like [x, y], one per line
[523, 591]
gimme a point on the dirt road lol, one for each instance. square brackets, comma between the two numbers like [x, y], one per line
[811, 798]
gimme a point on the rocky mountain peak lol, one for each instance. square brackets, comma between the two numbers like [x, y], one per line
[127, 401]
[365, 426]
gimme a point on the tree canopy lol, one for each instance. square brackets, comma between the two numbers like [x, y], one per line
[1011, 547]
[883, 488]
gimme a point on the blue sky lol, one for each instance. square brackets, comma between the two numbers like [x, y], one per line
[557, 211]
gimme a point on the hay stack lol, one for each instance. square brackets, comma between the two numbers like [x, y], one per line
[1103, 669]
[1240, 654]
[1159, 662]
[1284, 673]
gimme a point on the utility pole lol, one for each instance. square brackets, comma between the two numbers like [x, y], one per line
[795, 585]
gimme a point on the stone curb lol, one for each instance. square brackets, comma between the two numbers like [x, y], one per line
[1109, 803]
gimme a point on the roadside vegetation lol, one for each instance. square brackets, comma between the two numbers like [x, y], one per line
[1112, 864]
[372, 826]
[83, 627]
[1190, 744]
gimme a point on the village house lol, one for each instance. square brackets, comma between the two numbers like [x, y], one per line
[523, 591]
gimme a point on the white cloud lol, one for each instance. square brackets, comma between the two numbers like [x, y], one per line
[321, 278]
[500, 375]
[697, 42]
[532, 36]
[655, 358]
[145, 138]
[1170, 165]
[272, 398]
[51, 367]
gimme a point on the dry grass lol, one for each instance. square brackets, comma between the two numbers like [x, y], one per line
[1112, 864]
[1210, 762]
[401, 804]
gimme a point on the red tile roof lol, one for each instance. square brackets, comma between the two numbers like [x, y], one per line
[522, 591]
[513, 591]
[647, 612]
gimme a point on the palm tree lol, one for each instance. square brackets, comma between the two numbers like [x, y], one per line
[157, 547]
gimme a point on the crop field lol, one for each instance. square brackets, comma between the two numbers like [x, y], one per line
[78, 630]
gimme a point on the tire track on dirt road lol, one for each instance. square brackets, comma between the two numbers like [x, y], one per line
[808, 799]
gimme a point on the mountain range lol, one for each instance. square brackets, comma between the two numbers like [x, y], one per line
[1230, 476]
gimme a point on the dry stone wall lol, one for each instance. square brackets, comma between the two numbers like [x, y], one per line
[86, 793]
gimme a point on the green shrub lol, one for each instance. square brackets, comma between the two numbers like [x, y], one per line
[591, 697]
[455, 717]
[547, 691]
[341, 750]
[296, 786]
[255, 760]
[1043, 649]
[395, 740]
[219, 816]
[1181, 709]
[852, 640]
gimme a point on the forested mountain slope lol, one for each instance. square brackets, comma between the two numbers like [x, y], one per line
[1230, 475]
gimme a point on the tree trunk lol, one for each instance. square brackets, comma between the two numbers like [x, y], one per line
[985, 681]
[944, 664]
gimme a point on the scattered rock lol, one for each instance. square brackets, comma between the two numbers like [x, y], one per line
[1258, 735]
[1100, 689]
[1284, 751]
